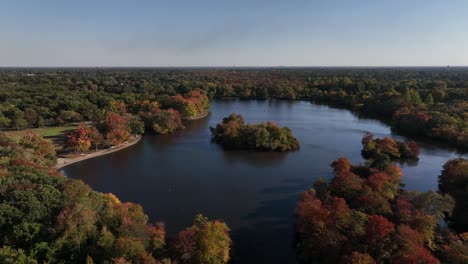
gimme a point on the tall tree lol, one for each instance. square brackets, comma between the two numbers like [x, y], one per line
[205, 242]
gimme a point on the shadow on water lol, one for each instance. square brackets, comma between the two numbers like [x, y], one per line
[269, 228]
[284, 189]
[192, 126]
[164, 142]
[409, 162]
[270, 239]
[257, 159]
[404, 162]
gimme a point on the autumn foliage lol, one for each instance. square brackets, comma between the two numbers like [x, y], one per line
[454, 181]
[362, 216]
[192, 104]
[358, 258]
[388, 148]
[204, 242]
[80, 139]
[420, 102]
[162, 121]
[234, 133]
[47, 218]
[42, 148]
[166, 118]
[116, 124]
[115, 128]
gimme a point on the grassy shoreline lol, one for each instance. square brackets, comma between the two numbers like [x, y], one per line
[46, 132]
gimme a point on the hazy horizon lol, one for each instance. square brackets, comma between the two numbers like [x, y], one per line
[230, 67]
[207, 33]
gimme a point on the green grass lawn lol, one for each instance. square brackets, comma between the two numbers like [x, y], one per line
[47, 132]
[54, 131]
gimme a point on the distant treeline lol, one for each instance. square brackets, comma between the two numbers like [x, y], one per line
[428, 102]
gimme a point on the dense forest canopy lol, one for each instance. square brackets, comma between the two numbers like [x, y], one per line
[363, 215]
[429, 102]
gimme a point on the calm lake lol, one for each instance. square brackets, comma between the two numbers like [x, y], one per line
[178, 176]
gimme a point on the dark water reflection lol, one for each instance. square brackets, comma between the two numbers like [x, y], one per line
[256, 159]
[175, 177]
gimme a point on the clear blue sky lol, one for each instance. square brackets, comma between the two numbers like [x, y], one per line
[241, 32]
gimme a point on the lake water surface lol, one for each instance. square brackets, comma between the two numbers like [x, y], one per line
[178, 176]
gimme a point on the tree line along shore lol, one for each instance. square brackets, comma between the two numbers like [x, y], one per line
[362, 215]
[419, 102]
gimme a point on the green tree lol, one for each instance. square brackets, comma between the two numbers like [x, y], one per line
[415, 98]
[40, 146]
[137, 127]
[406, 95]
[454, 181]
[4, 121]
[205, 242]
[96, 137]
[9, 255]
[429, 100]
[31, 116]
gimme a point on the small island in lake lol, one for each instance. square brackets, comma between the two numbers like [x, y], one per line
[234, 133]
[388, 148]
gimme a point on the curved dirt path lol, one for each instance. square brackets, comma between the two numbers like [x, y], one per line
[62, 162]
